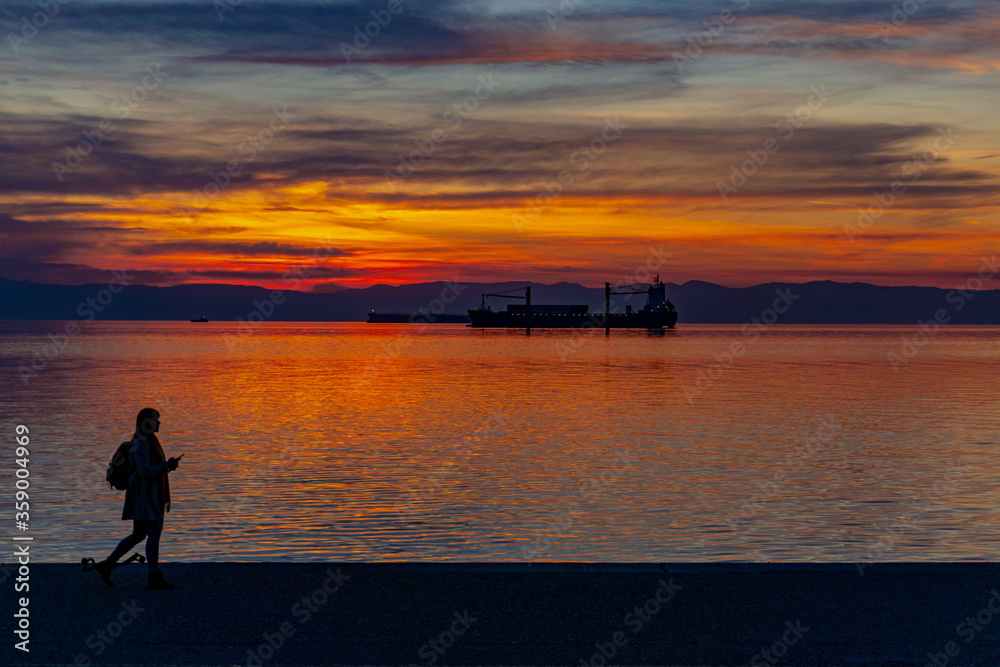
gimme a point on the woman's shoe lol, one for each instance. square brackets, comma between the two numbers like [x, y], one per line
[157, 582]
[104, 569]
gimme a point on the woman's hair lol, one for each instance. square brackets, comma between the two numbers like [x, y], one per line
[143, 420]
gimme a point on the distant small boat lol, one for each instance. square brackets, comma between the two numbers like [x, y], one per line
[201, 319]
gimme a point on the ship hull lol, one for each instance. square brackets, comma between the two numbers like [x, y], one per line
[503, 319]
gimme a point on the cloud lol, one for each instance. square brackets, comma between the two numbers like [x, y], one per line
[314, 273]
[296, 34]
[360, 117]
[234, 249]
[64, 273]
[491, 160]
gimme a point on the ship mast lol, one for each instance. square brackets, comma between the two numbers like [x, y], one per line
[507, 295]
[607, 303]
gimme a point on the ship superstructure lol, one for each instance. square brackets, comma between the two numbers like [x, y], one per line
[656, 314]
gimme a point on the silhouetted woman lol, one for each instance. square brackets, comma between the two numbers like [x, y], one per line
[146, 500]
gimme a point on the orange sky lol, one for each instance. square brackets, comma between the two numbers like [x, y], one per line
[808, 143]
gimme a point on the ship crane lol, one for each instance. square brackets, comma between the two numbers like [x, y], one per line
[608, 293]
[508, 295]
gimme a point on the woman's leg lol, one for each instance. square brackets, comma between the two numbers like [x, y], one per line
[153, 531]
[138, 533]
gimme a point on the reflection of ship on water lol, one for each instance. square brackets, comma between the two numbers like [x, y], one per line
[416, 318]
[657, 313]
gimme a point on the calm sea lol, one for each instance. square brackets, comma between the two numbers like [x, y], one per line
[352, 441]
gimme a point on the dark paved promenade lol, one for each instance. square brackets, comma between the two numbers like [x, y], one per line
[514, 614]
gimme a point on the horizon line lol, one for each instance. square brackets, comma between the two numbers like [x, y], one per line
[495, 282]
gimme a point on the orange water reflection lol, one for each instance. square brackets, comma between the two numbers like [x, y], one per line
[313, 441]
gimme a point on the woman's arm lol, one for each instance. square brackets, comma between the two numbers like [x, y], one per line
[140, 454]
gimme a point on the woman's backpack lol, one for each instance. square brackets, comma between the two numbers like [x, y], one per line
[118, 468]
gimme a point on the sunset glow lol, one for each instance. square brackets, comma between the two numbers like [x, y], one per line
[494, 141]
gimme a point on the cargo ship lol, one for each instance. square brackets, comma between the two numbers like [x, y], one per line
[415, 318]
[656, 314]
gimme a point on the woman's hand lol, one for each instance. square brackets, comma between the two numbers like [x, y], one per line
[172, 463]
